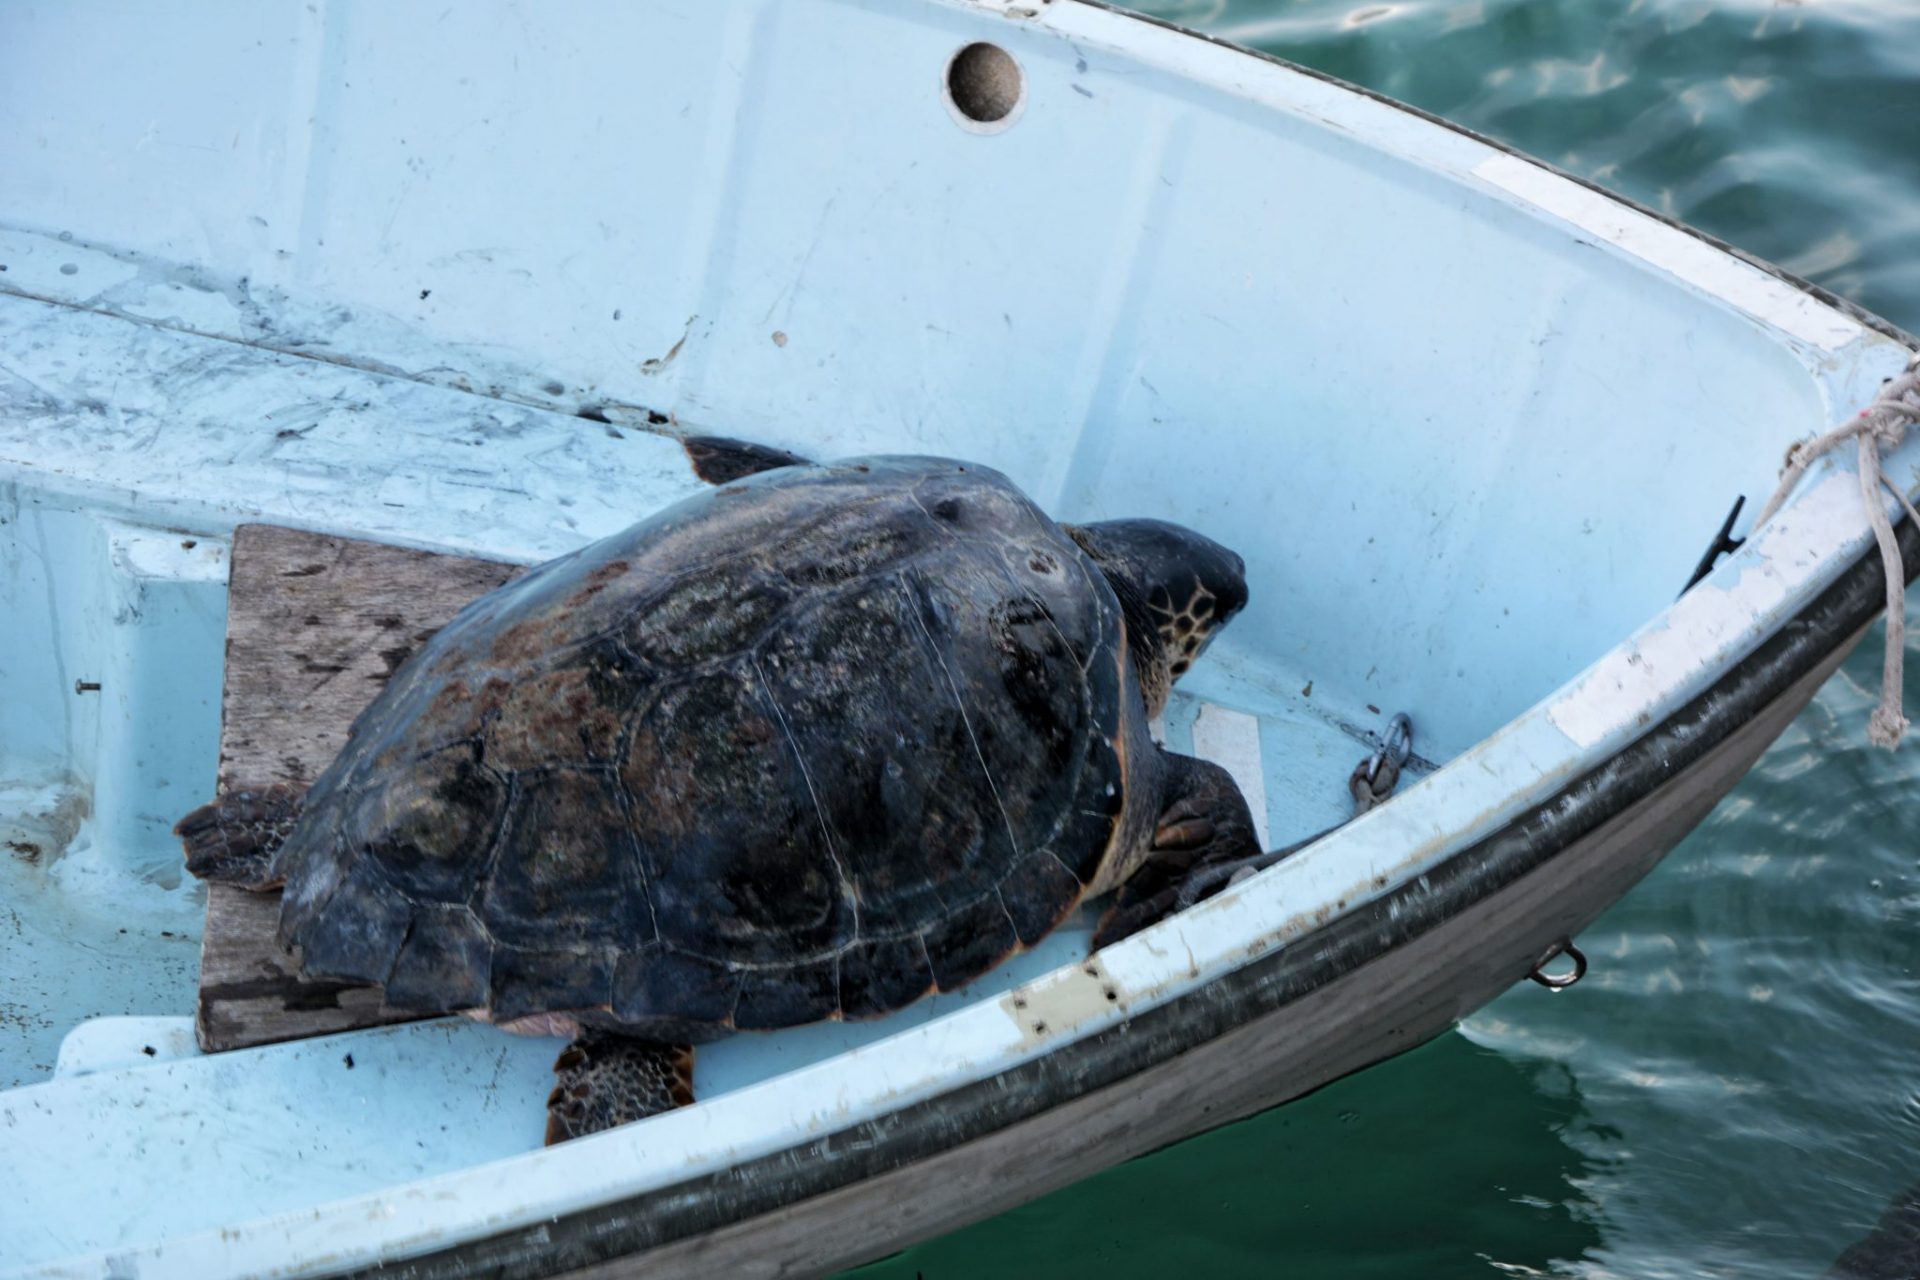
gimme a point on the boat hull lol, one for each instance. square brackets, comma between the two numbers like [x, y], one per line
[1470, 421]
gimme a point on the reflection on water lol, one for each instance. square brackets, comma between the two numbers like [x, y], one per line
[1752, 1031]
[1347, 1182]
[1735, 1088]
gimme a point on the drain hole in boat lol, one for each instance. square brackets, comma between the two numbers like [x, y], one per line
[985, 87]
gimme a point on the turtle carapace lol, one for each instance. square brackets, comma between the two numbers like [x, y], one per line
[808, 745]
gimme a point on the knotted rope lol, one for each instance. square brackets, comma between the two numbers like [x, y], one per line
[1883, 424]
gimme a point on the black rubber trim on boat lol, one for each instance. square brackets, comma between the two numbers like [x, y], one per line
[871, 1148]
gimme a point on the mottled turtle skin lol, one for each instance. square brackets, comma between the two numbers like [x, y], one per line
[809, 745]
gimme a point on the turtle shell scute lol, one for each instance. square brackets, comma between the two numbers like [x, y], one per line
[428, 826]
[881, 975]
[703, 616]
[572, 713]
[567, 870]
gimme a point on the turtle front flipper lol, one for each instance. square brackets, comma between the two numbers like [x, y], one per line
[607, 1080]
[1204, 829]
[718, 459]
[233, 840]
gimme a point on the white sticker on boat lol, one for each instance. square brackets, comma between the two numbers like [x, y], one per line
[1711, 270]
[1231, 739]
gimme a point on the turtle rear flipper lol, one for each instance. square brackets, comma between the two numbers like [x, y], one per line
[608, 1080]
[232, 841]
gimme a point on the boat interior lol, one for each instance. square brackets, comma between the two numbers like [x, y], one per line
[470, 301]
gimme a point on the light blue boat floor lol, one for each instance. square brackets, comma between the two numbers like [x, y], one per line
[79, 942]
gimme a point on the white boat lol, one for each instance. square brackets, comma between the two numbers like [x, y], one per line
[458, 279]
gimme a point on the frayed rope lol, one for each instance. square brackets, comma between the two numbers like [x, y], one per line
[1883, 424]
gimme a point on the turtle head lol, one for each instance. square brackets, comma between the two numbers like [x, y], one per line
[1176, 588]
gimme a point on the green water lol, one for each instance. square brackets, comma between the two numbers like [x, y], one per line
[1735, 1088]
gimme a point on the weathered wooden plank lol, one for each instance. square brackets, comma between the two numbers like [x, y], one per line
[315, 627]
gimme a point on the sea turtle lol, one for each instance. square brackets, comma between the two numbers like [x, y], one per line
[808, 745]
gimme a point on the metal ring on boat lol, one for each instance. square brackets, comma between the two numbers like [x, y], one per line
[1560, 981]
[1398, 745]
